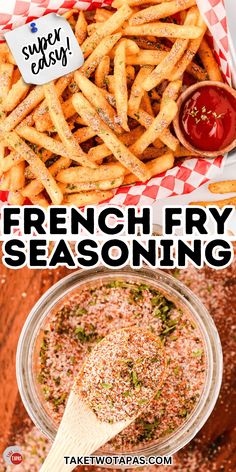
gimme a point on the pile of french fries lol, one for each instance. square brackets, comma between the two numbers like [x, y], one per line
[73, 141]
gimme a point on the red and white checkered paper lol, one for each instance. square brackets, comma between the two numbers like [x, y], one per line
[187, 175]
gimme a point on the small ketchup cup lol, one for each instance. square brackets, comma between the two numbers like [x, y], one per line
[208, 122]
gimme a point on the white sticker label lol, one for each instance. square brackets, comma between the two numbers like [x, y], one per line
[45, 49]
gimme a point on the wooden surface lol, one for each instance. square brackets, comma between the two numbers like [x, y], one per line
[19, 291]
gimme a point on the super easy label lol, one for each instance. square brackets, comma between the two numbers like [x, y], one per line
[45, 49]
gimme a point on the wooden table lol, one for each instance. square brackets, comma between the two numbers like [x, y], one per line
[20, 289]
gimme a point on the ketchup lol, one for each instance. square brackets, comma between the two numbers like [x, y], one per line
[208, 118]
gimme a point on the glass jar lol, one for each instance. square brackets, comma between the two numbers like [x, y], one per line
[178, 292]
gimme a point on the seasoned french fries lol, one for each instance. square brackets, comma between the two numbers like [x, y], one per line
[62, 127]
[137, 91]
[75, 140]
[159, 124]
[103, 48]
[40, 170]
[96, 97]
[107, 28]
[117, 148]
[164, 69]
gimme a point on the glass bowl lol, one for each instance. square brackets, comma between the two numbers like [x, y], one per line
[177, 291]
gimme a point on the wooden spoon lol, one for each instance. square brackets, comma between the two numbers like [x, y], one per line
[83, 428]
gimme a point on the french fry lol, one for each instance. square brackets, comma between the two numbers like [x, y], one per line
[35, 187]
[102, 14]
[87, 198]
[103, 48]
[208, 59]
[81, 174]
[69, 13]
[86, 186]
[41, 139]
[81, 28]
[155, 167]
[67, 108]
[5, 181]
[111, 84]
[151, 153]
[129, 160]
[130, 47]
[102, 72]
[163, 10]
[83, 134]
[137, 91]
[164, 30]
[146, 57]
[172, 91]
[197, 72]
[17, 176]
[163, 70]
[92, 27]
[159, 124]
[6, 72]
[15, 95]
[102, 151]
[107, 28]
[22, 110]
[41, 115]
[6, 55]
[181, 151]
[62, 127]
[120, 82]
[14, 158]
[15, 198]
[40, 170]
[188, 56]
[130, 74]
[2, 147]
[146, 104]
[219, 203]
[142, 117]
[96, 97]
[144, 43]
[226, 186]
[40, 200]
[165, 137]
[169, 140]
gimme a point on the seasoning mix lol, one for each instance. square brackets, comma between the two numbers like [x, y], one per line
[122, 374]
[90, 314]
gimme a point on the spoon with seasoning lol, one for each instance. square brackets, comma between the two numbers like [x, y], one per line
[118, 380]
